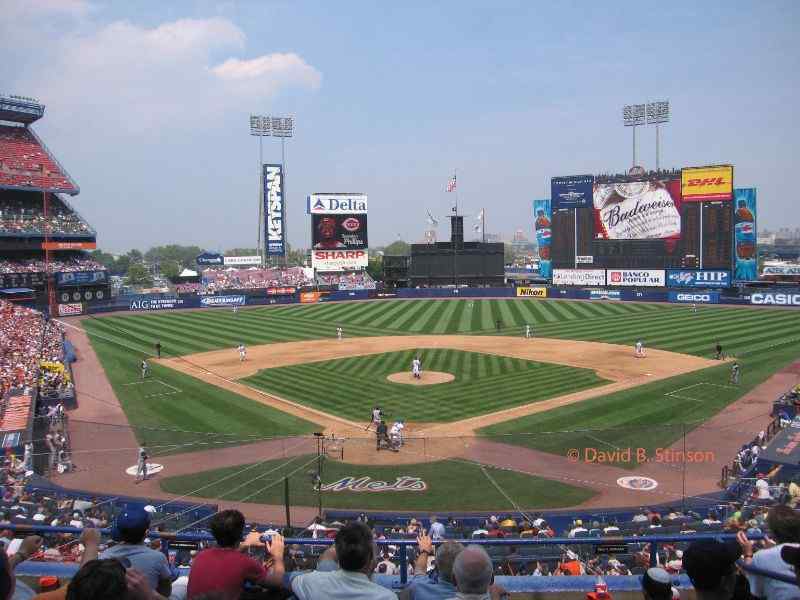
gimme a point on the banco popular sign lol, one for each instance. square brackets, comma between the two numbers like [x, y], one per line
[644, 278]
[776, 299]
[404, 483]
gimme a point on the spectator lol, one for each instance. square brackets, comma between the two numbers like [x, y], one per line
[130, 530]
[784, 523]
[657, 585]
[356, 555]
[437, 530]
[423, 587]
[473, 574]
[710, 566]
[225, 569]
[577, 529]
[10, 587]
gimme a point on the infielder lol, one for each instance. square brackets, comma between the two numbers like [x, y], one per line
[416, 368]
[339, 333]
[242, 353]
[735, 373]
[145, 368]
[528, 332]
[639, 351]
[141, 465]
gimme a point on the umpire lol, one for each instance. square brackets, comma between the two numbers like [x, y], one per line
[381, 434]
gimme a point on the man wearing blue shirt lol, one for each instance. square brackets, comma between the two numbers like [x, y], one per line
[425, 587]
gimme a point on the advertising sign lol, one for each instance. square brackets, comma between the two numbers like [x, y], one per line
[707, 183]
[605, 295]
[210, 258]
[532, 292]
[337, 204]
[339, 260]
[281, 291]
[339, 232]
[774, 298]
[698, 279]
[745, 250]
[574, 191]
[638, 278]
[584, 260]
[69, 245]
[21, 280]
[274, 213]
[541, 225]
[637, 210]
[309, 297]
[223, 301]
[81, 278]
[587, 277]
[234, 261]
[695, 297]
[781, 270]
[154, 303]
[71, 309]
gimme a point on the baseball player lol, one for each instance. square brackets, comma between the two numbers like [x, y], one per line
[639, 352]
[718, 349]
[339, 333]
[528, 332]
[416, 368]
[145, 368]
[380, 435]
[158, 349]
[396, 436]
[377, 415]
[735, 371]
[242, 353]
[141, 465]
[235, 309]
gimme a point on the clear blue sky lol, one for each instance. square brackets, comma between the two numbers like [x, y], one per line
[148, 104]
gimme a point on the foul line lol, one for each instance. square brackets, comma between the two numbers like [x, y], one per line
[675, 394]
[164, 383]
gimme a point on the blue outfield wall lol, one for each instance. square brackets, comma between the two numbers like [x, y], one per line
[164, 302]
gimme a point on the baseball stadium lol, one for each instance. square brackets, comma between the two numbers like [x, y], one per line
[588, 421]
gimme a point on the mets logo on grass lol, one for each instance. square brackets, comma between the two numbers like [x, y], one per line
[404, 483]
[532, 292]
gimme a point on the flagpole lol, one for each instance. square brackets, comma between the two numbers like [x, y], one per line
[483, 224]
[455, 178]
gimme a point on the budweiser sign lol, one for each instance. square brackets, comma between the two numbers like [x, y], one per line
[404, 483]
[636, 211]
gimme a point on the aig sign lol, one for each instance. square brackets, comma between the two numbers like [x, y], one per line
[274, 215]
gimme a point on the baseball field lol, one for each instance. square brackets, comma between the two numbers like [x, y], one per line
[575, 385]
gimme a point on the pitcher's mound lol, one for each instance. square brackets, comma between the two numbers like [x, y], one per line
[427, 378]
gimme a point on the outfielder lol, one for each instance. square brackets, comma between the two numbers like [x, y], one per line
[242, 353]
[416, 368]
[145, 368]
[528, 332]
[339, 333]
[735, 373]
[694, 307]
[639, 351]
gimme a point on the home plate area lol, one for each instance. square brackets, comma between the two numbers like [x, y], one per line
[696, 392]
[155, 387]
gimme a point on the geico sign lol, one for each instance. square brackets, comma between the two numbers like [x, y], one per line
[778, 299]
[694, 298]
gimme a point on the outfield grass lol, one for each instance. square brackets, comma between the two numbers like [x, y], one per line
[650, 416]
[484, 383]
[456, 485]
[167, 421]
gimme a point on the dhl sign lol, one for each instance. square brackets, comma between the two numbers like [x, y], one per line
[707, 183]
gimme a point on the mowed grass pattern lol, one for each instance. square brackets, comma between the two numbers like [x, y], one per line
[484, 383]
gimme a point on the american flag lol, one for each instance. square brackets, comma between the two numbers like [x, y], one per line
[451, 185]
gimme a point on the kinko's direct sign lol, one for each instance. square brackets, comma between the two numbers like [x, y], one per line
[337, 204]
[640, 278]
[776, 299]
[587, 277]
[274, 213]
[707, 183]
[404, 483]
[242, 260]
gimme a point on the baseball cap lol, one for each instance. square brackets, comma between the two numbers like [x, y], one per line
[130, 518]
[657, 583]
[708, 561]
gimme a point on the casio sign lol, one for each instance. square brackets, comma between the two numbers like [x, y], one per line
[776, 299]
[694, 297]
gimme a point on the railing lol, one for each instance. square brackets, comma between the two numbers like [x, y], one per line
[403, 544]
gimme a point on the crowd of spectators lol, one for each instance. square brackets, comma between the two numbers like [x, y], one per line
[20, 216]
[214, 280]
[63, 264]
[24, 162]
[348, 280]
